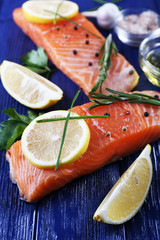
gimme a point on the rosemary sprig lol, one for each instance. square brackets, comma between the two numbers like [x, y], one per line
[65, 128]
[107, 48]
[102, 2]
[71, 118]
[101, 99]
[73, 22]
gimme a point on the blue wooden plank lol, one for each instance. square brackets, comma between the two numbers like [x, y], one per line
[147, 220]
[67, 213]
[16, 217]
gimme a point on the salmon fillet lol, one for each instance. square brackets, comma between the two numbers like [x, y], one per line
[81, 66]
[109, 142]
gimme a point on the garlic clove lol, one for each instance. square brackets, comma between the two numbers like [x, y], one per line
[106, 15]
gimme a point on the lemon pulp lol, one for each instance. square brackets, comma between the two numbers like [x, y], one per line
[27, 87]
[44, 11]
[128, 194]
[41, 141]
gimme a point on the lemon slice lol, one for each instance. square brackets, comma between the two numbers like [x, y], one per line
[41, 141]
[128, 194]
[27, 87]
[35, 11]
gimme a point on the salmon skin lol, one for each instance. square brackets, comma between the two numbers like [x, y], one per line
[125, 131]
[75, 52]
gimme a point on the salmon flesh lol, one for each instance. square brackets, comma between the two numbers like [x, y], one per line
[76, 52]
[127, 129]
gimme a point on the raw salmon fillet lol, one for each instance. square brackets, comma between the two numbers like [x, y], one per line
[109, 142]
[82, 67]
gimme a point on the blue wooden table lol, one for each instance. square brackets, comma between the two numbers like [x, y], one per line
[67, 213]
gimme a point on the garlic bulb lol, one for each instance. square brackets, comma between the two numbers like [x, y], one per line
[106, 15]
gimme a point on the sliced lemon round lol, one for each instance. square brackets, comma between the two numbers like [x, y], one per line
[27, 87]
[41, 141]
[128, 194]
[44, 11]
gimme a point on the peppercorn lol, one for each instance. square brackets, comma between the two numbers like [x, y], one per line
[146, 114]
[74, 52]
[156, 96]
[90, 63]
[131, 72]
[108, 133]
[87, 42]
[87, 35]
[107, 114]
[124, 128]
[75, 28]
[97, 54]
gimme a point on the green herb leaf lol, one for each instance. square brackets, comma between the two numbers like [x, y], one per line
[12, 129]
[37, 61]
[102, 2]
[59, 5]
[65, 128]
[71, 118]
[100, 99]
[107, 48]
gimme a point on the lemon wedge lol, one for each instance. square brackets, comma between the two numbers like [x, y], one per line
[27, 87]
[128, 194]
[41, 141]
[36, 11]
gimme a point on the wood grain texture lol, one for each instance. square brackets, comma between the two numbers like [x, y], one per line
[67, 213]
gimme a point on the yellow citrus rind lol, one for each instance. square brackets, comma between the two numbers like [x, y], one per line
[36, 11]
[41, 141]
[129, 193]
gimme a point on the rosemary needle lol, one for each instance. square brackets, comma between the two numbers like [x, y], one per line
[100, 99]
[106, 62]
[76, 24]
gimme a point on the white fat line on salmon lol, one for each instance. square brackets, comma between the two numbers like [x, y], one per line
[67, 50]
[116, 64]
[78, 60]
[123, 73]
[95, 122]
[79, 65]
[87, 84]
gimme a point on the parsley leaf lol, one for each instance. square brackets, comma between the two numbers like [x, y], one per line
[37, 61]
[12, 129]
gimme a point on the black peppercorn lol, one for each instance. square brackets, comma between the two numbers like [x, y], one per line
[74, 52]
[97, 54]
[156, 96]
[90, 63]
[87, 42]
[146, 114]
[107, 114]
